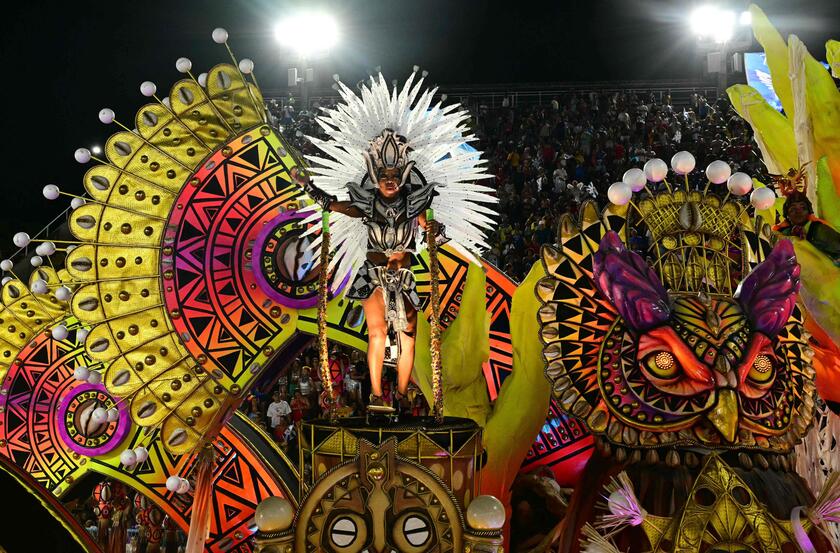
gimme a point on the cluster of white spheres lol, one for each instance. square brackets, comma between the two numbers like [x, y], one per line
[763, 198]
[136, 456]
[635, 179]
[82, 155]
[39, 286]
[682, 163]
[101, 415]
[183, 65]
[718, 172]
[51, 191]
[106, 115]
[148, 88]
[178, 485]
[655, 170]
[220, 35]
[84, 374]
[739, 184]
[60, 332]
[246, 66]
[619, 193]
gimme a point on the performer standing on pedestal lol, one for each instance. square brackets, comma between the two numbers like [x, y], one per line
[391, 157]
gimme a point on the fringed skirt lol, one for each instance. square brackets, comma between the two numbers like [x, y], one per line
[398, 286]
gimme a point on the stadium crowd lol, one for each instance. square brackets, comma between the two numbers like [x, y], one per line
[548, 159]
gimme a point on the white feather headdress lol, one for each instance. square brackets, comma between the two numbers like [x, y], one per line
[436, 137]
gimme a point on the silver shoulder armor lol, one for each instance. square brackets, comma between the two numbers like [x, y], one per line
[420, 198]
[362, 197]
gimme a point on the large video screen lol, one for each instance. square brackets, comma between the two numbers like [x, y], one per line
[758, 77]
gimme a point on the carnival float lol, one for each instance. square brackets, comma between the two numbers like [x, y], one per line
[680, 398]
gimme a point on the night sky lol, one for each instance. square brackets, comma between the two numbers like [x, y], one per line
[64, 61]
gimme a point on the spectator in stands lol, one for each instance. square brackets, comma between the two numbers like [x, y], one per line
[305, 382]
[299, 407]
[278, 409]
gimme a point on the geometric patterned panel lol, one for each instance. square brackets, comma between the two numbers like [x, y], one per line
[230, 321]
[243, 475]
[563, 444]
[30, 395]
[249, 467]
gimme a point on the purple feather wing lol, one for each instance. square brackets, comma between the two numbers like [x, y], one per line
[630, 284]
[769, 292]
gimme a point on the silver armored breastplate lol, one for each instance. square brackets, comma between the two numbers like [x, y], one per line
[389, 229]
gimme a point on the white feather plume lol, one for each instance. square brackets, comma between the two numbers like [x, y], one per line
[435, 134]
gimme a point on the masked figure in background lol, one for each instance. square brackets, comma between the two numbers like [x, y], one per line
[800, 222]
[392, 155]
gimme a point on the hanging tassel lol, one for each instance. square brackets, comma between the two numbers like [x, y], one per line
[595, 542]
[824, 514]
[624, 508]
[202, 506]
[434, 268]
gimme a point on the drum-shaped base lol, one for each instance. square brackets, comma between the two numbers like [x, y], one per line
[451, 450]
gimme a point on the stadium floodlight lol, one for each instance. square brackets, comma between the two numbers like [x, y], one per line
[308, 33]
[713, 23]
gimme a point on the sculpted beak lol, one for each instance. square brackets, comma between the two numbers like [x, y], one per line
[724, 415]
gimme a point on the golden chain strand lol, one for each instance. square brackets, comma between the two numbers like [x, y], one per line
[323, 292]
[434, 268]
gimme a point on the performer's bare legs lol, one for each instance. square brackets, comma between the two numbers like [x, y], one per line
[374, 308]
[405, 364]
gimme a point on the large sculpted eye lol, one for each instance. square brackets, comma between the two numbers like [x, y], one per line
[662, 365]
[759, 368]
[347, 532]
[413, 531]
[668, 364]
[762, 370]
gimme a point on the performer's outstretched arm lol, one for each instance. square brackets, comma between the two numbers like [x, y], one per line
[328, 202]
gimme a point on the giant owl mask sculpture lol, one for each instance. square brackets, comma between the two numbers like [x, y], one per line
[648, 368]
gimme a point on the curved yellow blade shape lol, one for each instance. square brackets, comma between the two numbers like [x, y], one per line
[519, 411]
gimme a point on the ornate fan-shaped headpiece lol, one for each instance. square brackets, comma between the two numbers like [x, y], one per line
[401, 128]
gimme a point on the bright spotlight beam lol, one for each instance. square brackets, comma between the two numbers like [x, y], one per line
[308, 34]
[713, 22]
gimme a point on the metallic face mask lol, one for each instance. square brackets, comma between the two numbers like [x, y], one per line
[388, 152]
